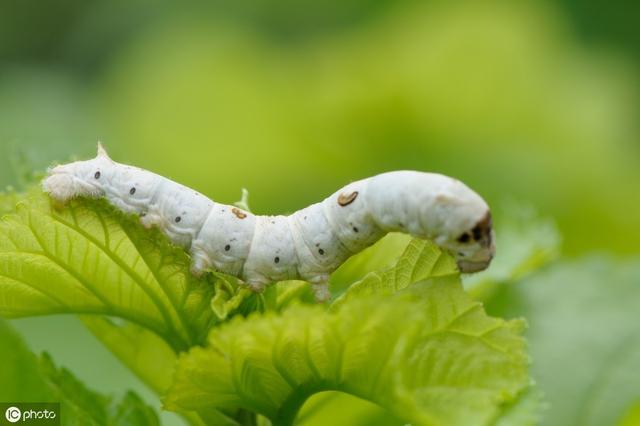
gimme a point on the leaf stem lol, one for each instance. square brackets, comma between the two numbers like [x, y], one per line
[246, 418]
[289, 409]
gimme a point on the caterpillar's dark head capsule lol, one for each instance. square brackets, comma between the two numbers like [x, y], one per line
[476, 247]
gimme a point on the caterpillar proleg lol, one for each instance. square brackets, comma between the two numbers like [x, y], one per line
[308, 244]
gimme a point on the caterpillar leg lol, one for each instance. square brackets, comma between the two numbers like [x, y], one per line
[199, 260]
[256, 286]
[319, 284]
[150, 220]
[321, 292]
[198, 265]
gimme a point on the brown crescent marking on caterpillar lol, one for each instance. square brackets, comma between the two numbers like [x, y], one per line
[239, 214]
[345, 200]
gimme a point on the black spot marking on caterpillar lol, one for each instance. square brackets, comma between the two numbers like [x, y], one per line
[227, 247]
[321, 251]
[132, 190]
[97, 175]
[345, 200]
[178, 219]
[464, 238]
[276, 259]
[355, 229]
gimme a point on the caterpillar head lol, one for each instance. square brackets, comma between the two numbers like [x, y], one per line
[461, 223]
[80, 178]
[474, 248]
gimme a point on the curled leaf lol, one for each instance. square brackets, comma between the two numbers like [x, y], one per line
[428, 355]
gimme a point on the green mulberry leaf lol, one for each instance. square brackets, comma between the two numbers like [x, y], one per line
[383, 254]
[421, 260]
[87, 258]
[407, 339]
[429, 355]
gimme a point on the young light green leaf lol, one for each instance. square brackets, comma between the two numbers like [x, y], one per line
[229, 296]
[429, 355]
[87, 258]
[421, 260]
[234, 298]
[383, 254]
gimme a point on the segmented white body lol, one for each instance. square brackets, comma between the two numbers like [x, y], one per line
[310, 243]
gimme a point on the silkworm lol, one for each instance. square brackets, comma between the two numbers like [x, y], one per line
[308, 244]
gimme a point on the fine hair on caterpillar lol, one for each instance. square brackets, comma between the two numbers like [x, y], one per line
[308, 244]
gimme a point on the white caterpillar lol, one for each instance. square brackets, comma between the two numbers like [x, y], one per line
[310, 243]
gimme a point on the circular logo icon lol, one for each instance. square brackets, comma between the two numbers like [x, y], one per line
[12, 414]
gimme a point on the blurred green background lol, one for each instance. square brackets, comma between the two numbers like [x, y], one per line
[531, 101]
